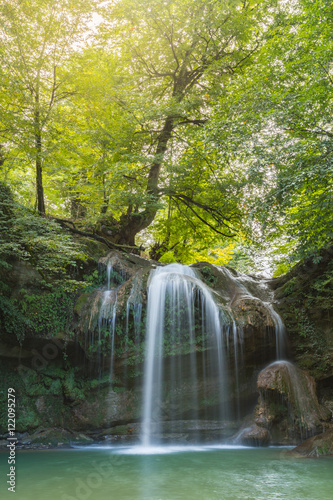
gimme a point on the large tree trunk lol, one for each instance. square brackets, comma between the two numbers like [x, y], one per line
[137, 221]
[39, 176]
[2, 156]
[38, 155]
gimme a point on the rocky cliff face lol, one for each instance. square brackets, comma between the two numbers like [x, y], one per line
[83, 368]
[305, 301]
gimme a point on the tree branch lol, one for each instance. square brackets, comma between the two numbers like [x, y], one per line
[108, 243]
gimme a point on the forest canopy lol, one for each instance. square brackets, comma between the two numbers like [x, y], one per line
[190, 130]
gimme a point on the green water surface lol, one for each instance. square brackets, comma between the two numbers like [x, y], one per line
[205, 474]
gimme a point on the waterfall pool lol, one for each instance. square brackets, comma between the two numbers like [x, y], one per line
[168, 473]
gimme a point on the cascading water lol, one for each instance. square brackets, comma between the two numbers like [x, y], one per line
[237, 343]
[250, 288]
[99, 320]
[176, 299]
[134, 303]
[107, 317]
[193, 350]
[182, 311]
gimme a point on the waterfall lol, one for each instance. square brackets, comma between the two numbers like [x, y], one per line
[246, 287]
[134, 303]
[238, 343]
[189, 358]
[107, 318]
[176, 300]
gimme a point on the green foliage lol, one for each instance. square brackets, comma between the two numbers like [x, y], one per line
[13, 321]
[28, 237]
[39, 38]
[306, 328]
[48, 313]
[94, 280]
[72, 387]
[290, 285]
[277, 123]
[312, 346]
[321, 291]
[41, 243]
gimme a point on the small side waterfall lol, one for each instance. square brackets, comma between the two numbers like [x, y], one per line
[134, 304]
[107, 318]
[246, 287]
[176, 301]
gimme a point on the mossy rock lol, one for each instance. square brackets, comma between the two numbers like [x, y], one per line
[94, 249]
[81, 303]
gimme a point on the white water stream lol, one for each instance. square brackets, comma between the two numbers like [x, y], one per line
[174, 295]
[250, 288]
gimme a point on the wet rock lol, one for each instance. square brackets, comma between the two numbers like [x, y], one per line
[14, 351]
[288, 405]
[254, 436]
[54, 437]
[44, 438]
[317, 446]
[108, 408]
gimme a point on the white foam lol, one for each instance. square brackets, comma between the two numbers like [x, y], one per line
[162, 449]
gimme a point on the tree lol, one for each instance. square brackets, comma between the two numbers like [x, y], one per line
[278, 119]
[37, 39]
[172, 58]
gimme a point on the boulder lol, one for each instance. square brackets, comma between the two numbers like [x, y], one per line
[288, 405]
[254, 436]
[316, 446]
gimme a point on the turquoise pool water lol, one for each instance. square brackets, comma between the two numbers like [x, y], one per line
[205, 473]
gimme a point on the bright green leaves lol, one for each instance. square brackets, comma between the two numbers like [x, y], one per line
[276, 125]
[39, 39]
